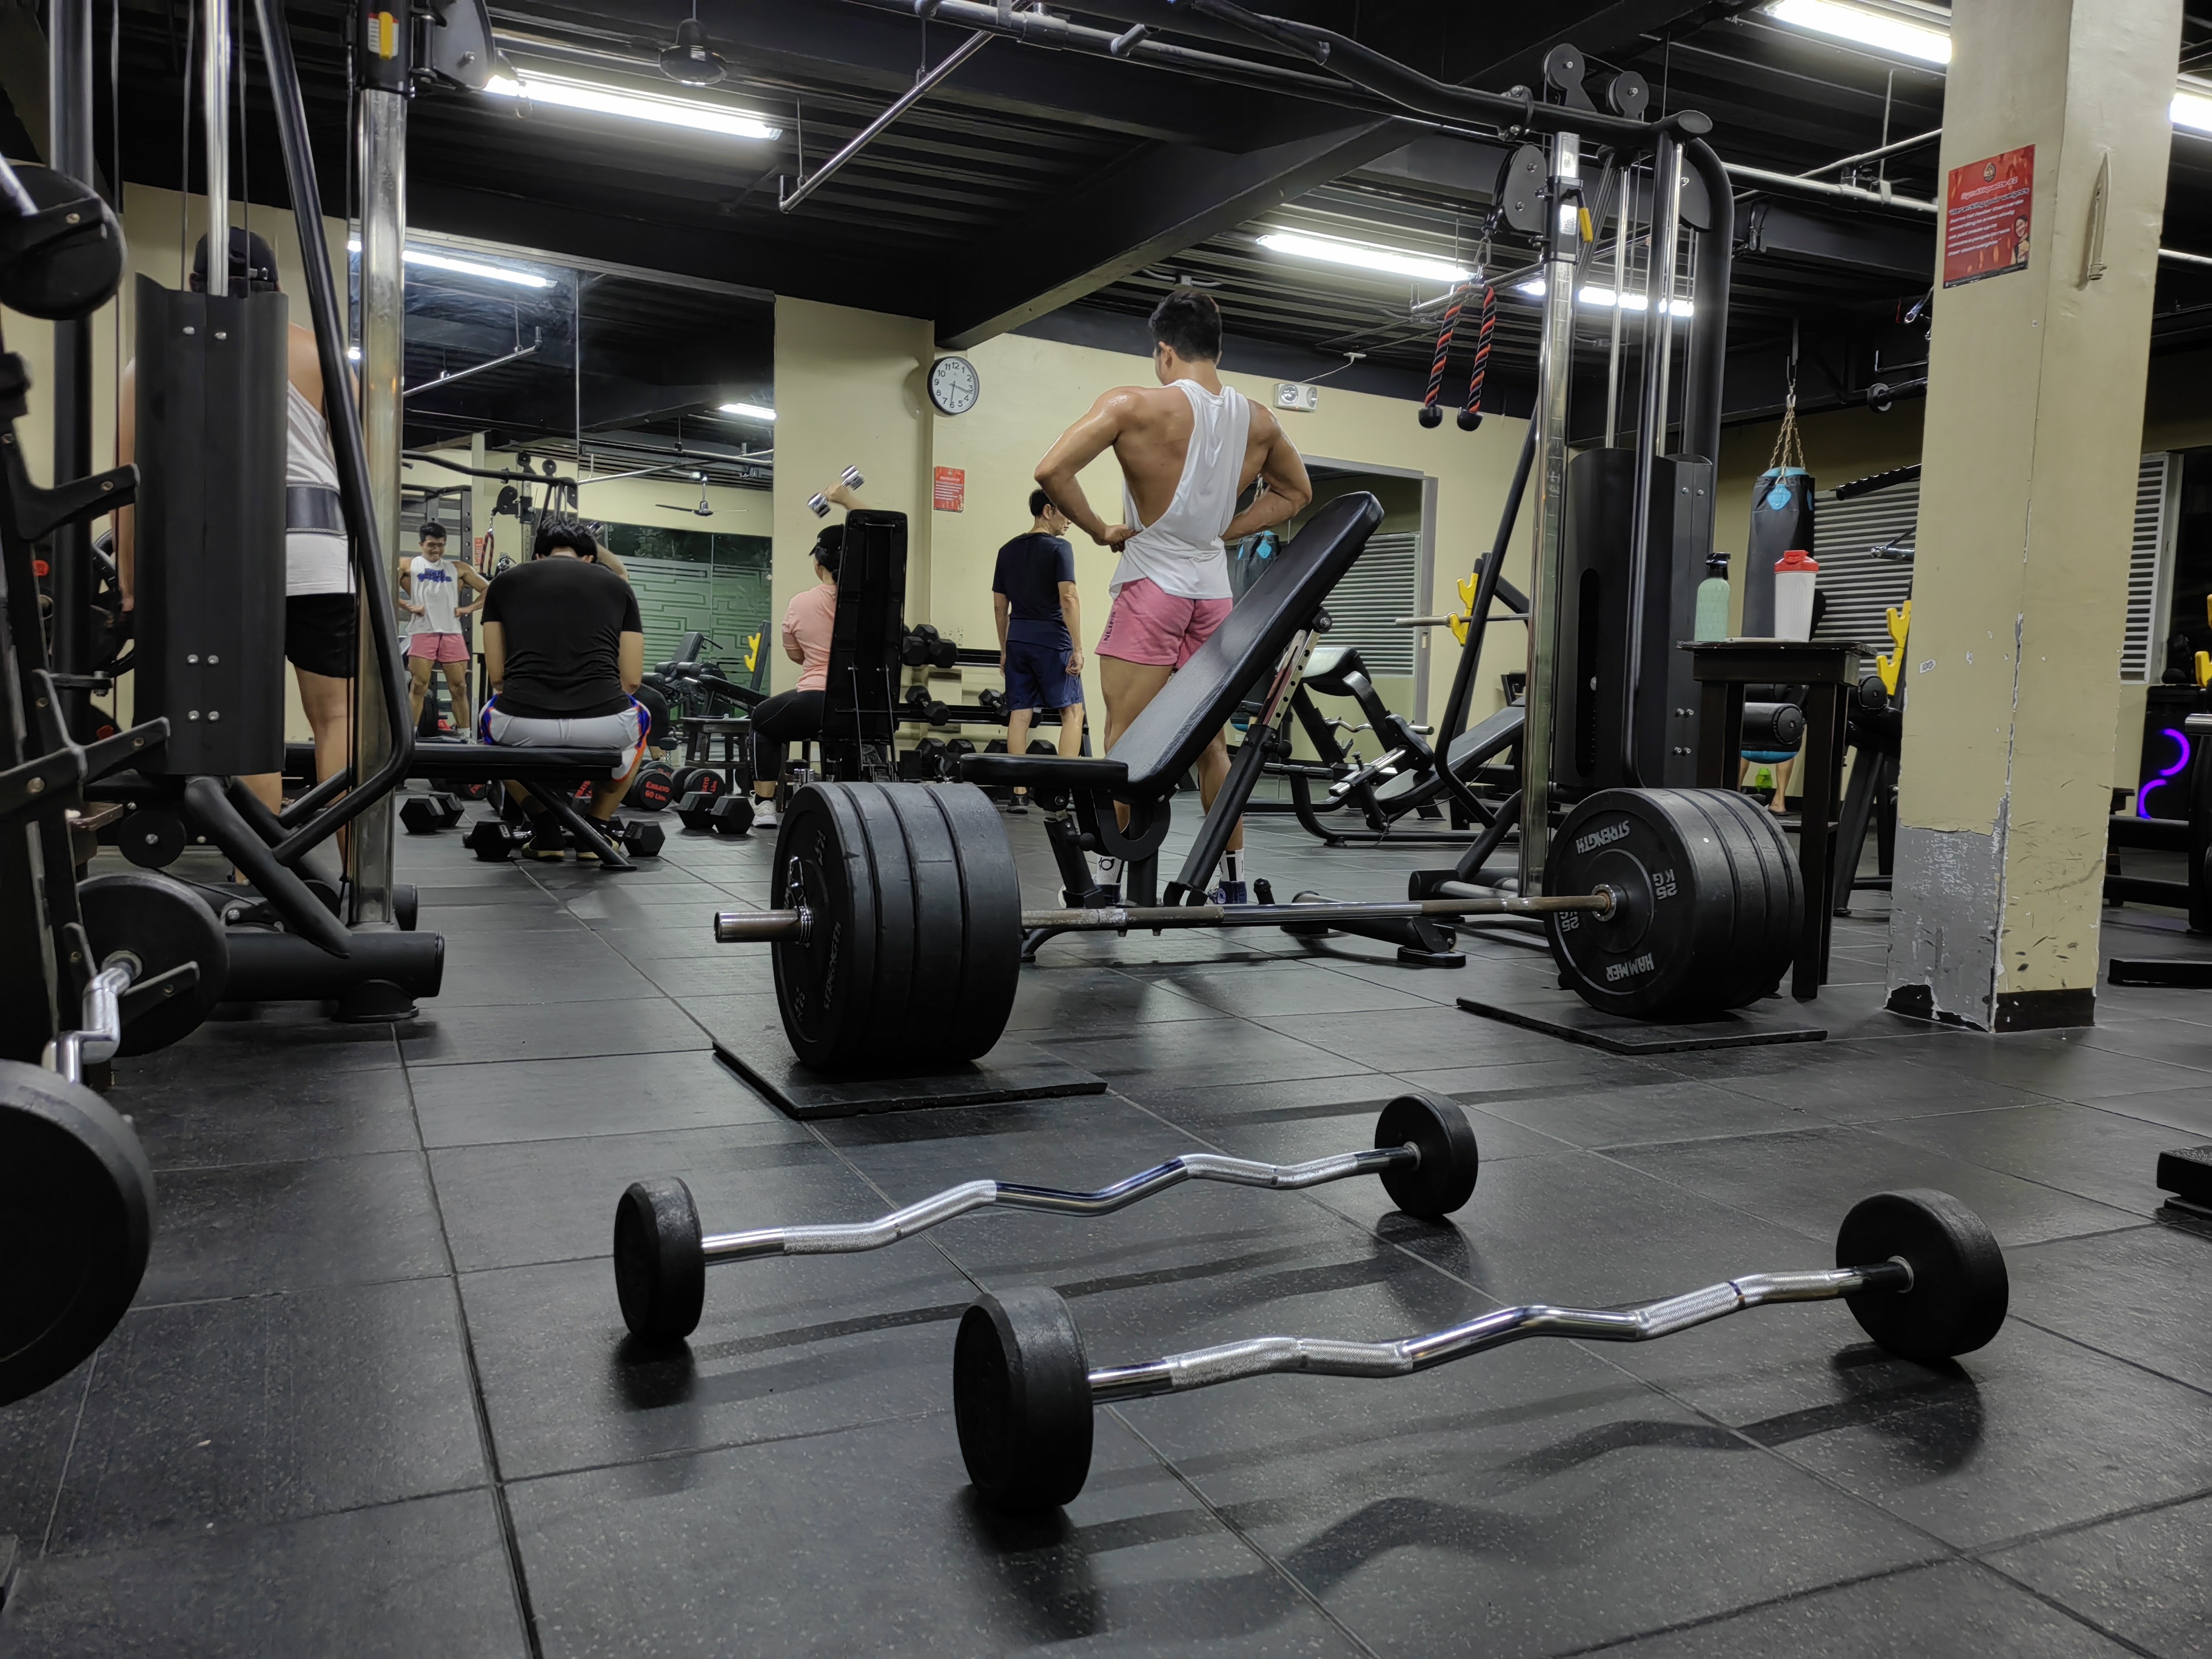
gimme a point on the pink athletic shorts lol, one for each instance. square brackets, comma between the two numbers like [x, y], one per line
[437, 648]
[1148, 624]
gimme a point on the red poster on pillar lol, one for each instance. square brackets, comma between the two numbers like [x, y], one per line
[952, 488]
[1985, 217]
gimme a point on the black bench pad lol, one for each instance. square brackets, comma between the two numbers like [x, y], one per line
[472, 761]
[1054, 771]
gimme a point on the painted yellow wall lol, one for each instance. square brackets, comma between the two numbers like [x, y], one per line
[624, 501]
[850, 391]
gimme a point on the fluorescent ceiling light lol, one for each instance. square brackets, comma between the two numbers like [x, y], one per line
[2193, 110]
[748, 412]
[694, 112]
[1890, 31]
[1358, 256]
[1863, 26]
[1592, 295]
[418, 255]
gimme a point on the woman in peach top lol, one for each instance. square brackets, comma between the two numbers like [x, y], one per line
[795, 715]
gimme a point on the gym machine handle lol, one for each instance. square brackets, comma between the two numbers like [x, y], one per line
[1202, 1367]
[748, 927]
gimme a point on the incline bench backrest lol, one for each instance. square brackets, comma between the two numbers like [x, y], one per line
[1165, 741]
[861, 696]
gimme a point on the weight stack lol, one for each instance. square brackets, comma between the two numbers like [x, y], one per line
[210, 528]
[1781, 518]
[1589, 752]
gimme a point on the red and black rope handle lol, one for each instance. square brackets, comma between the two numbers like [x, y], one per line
[1430, 415]
[1470, 415]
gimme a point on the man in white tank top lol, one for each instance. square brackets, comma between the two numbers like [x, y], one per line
[430, 592]
[1189, 448]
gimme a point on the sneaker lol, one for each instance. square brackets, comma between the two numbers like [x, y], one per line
[1229, 892]
[766, 816]
[546, 842]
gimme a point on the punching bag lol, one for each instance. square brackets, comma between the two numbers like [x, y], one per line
[1781, 518]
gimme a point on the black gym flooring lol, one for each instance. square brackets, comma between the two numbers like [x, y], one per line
[375, 1396]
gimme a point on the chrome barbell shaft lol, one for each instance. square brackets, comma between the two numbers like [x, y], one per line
[1262, 1356]
[740, 926]
[839, 1239]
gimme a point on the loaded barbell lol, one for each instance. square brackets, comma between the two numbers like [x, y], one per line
[1424, 1151]
[896, 921]
[1918, 1270]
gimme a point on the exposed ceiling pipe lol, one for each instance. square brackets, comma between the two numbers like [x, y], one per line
[1897, 147]
[859, 140]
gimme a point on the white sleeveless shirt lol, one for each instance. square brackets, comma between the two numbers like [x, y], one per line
[314, 560]
[1181, 551]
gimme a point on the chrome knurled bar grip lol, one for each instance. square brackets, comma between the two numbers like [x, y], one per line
[1260, 1356]
[837, 1239]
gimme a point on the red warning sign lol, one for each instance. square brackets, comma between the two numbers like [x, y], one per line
[1985, 217]
[952, 488]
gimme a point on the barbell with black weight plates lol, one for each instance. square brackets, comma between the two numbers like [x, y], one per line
[1918, 1270]
[158, 927]
[895, 922]
[1424, 1151]
[1713, 902]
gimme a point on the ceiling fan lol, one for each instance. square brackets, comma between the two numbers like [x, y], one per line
[702, 510]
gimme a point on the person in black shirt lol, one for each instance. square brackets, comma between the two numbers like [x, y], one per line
[564, 653]
[1040, 631]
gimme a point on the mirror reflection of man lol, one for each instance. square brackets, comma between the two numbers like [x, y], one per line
[1189, 448]
[431, 590]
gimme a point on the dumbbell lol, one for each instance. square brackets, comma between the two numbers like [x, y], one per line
[642, 838]
[917, 645]
[926, 707]
[929, 757]
[993, 703]
[1424, 1154]
[425, 815]
[696, 809]
[652, 788]
[996, 746]
[944, 653]
[955, 752]
[695, 781]
[850, 477]
[493, 840]
[732, 815]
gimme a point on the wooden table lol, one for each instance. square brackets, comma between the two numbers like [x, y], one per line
[1722, 669]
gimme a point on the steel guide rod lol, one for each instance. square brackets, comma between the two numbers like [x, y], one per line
[842, 1238]
[743, 926]
[1263, 1356]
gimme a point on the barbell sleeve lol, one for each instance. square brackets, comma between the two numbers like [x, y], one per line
[1261, 1356]
[835, 1239]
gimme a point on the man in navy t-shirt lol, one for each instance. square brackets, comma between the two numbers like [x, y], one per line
[1040, 631]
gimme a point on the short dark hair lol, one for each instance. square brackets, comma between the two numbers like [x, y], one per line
[1188, 324]
[564, 532]
[431, 527]
[1038, 502]
[830, 547]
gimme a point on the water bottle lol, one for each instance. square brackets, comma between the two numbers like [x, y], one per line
[1712, 622]
[1795, 574]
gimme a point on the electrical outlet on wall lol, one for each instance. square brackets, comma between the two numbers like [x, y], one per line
[1290, 394]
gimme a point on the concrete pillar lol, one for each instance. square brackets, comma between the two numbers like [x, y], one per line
[851, 390]
[2034, 423]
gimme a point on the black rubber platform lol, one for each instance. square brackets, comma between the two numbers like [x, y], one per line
[1564, 1015]
[1012, 1071]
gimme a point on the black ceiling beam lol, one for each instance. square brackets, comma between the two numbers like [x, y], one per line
[1164, 199]
[1884, 248]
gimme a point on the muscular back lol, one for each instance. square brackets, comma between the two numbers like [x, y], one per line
[1154, 441]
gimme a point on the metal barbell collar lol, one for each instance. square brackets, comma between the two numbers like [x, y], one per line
[741, 926]
[1262, 1356]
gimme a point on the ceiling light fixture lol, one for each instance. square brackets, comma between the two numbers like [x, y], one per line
[1591, 295]
[1389, 262]
[747, 412]
[419, 255]
[2193, 110]
[1885, 31]
[692, 113]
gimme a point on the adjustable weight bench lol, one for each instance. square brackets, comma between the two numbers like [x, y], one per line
[551, 775]
[1266, 637]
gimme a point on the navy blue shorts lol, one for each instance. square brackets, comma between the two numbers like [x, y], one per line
[1037, 677]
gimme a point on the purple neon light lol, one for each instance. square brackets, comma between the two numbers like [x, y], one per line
[2142, 795]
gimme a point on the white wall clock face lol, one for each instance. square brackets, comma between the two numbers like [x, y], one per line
[954, 386]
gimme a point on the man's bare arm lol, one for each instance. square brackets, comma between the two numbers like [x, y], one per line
[1080, 445]
[1286, 489]
[1071, 610]
[1002, 611]
[495, 654]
